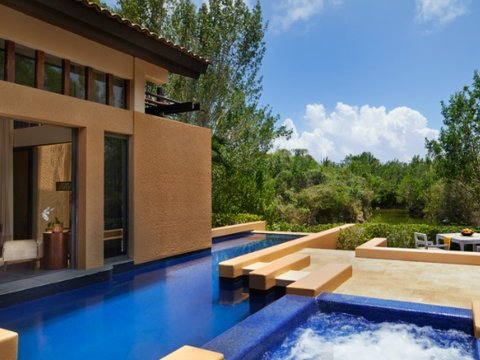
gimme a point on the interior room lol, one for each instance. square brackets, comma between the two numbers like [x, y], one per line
[36, 166]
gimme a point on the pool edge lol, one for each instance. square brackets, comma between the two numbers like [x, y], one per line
[258, 333]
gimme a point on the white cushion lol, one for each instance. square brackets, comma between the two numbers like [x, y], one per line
[16, 250]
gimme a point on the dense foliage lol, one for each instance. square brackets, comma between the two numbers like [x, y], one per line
[289, 188]
[231, 35]
[457, 154]
[397, 235]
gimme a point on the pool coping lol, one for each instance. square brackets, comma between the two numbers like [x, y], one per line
[377, 248]
[258, 333]
[250, 338]
[33, 288]
[326, 239]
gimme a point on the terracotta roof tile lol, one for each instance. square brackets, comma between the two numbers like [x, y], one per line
[141, 29]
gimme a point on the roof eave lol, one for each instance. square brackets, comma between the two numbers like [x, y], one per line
[74, 16]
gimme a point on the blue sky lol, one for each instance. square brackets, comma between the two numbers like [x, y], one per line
[349, 76]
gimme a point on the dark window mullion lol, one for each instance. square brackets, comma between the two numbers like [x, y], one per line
[39, 69]
[89, 81]
[127, 94]
[110, 89]
[9, 61]
[66, 77]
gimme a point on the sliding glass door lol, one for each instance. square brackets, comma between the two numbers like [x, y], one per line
[116, 196]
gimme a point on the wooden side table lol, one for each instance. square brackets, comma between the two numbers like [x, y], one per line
[54, 250]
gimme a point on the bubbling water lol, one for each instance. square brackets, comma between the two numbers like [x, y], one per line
[342, 336]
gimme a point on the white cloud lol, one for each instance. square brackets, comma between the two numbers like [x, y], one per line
[439, 12]
[289, 12]
[396, 134]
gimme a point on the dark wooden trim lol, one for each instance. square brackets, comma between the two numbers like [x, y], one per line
[39, 69]
[128, 96]
[9, 61]
[89, 83]
[109, 79]
[66, 77]
[168, 109]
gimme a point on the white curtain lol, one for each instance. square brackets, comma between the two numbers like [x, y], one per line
[6, 179]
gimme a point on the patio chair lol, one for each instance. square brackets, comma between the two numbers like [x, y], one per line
[421, 241]
[21, 250]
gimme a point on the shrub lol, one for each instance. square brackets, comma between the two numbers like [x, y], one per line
[283, 226]
[400, 235]
[232, 219]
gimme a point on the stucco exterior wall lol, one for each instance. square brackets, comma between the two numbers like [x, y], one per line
[30, 104]
[172, 188]
[90, 198]
[93, 121]
[170, 170]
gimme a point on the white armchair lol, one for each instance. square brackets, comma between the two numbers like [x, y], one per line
[21, 250]
[421, 241]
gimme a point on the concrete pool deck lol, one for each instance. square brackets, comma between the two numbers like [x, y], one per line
[429, 283]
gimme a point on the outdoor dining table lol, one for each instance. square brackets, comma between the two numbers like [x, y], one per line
[462, 240]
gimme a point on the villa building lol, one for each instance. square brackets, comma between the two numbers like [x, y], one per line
[79, 141]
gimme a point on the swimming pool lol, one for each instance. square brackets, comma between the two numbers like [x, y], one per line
[296, 327]
[140, 314]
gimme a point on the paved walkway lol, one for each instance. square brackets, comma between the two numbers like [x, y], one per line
[439, 284]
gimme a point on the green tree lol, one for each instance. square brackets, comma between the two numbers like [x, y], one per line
[457, 150]
[231, 36]
[364, 165]
[151, 14]
[387, 192]
[414, 187]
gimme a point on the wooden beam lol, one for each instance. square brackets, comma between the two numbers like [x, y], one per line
[9, 61]
[66, 77]
[39, 69]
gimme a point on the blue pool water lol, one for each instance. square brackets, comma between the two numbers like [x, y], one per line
[346, 336]
[336, 326]
[142, 314]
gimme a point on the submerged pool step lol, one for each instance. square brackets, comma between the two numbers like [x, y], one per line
[264, 277]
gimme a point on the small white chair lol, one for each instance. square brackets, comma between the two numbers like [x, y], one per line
[21, 250]
[421, 241]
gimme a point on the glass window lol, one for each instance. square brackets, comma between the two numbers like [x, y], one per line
[115, 196]
[99, 87]
[24, 65]
[53, 74]
[2, 59]
[119, 89]
[77, 81]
